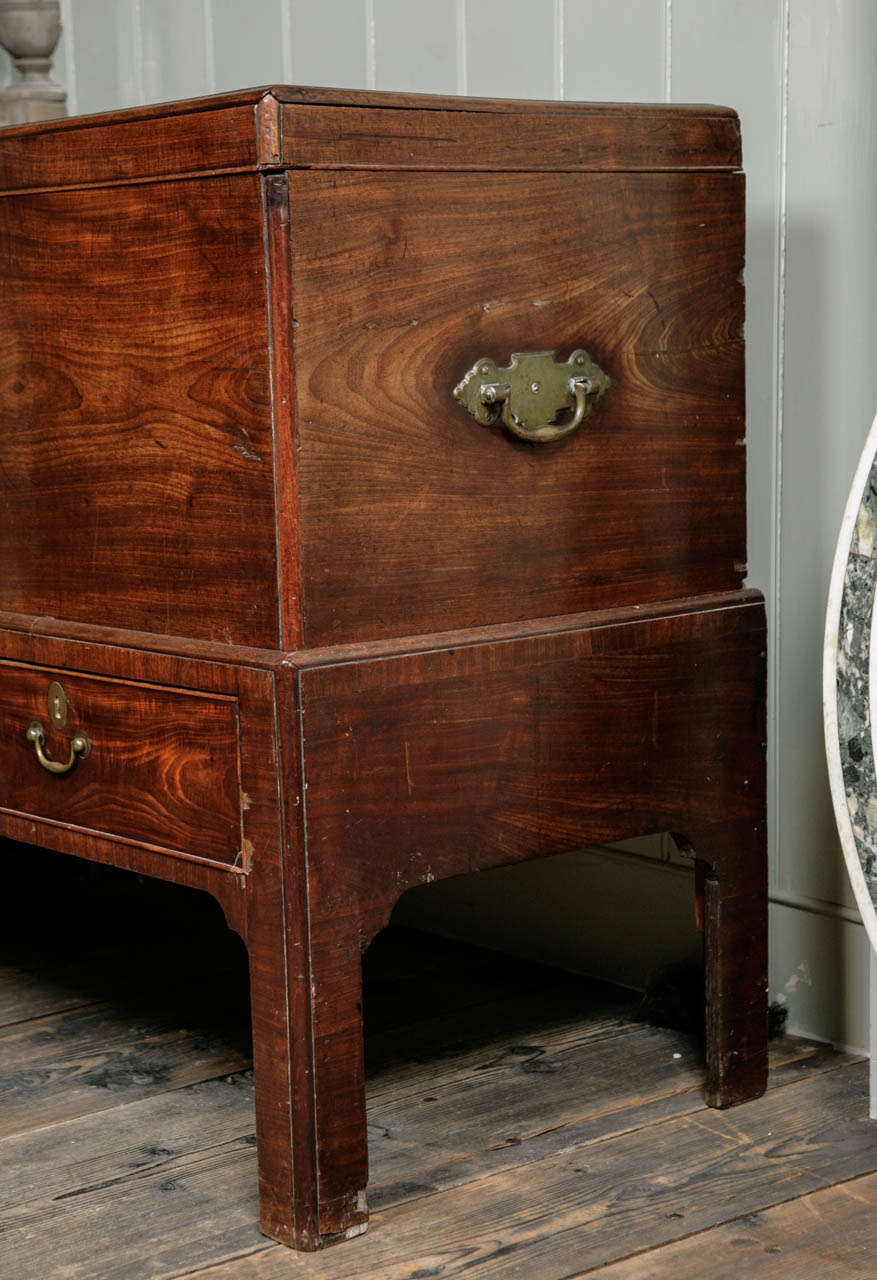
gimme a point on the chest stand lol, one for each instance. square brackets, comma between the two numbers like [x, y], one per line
[358, 772]
[405, 767]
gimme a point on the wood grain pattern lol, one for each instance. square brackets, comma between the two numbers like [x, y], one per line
[97, 150]
[275, 215]
[135, 432]
[277, 920]
[735, 925]
[475, 756]
[674, 114]
[647, 1057]
[829, 1233]
[92, 1059]
[368, 136]
[24, 994]
[423, 766]
[589, 1203]
[182, 1148]
[249, 690]
[94, 637]
[115, 638]
[442, 523]
[163, 768]
[271, 127]
[182, 1158]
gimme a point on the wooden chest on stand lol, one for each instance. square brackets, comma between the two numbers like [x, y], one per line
[372, 510]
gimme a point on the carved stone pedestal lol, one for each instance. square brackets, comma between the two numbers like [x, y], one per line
[29, 30]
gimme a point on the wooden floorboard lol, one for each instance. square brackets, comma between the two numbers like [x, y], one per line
[609, 1116]
[92, 1058]
[592, 1203]
[31, 992]
[829, 1234]
[529, 1126]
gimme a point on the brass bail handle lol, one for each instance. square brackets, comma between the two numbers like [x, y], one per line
[80, 746]
[79, 749]
[531, 391]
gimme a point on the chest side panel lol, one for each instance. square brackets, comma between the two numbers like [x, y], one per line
[416, 519]
[136, 479]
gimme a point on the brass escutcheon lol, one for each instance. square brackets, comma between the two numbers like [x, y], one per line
[80, 745]
[530, 392]
[57, 705]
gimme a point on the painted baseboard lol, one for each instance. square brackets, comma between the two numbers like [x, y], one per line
[819, 968]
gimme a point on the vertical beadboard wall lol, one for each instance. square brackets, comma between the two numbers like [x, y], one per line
[801, 74]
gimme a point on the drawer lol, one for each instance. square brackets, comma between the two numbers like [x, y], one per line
[162, 769]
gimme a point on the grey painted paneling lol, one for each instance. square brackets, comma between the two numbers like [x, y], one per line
[64, 69]
[512, 50]
[331, 43]
[830, 390]
[106, 46]
[709, 46]
[613, 52]
[416, 48]
[176, 54]
[249, 52]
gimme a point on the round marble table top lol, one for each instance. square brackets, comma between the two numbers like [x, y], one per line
[849, 685]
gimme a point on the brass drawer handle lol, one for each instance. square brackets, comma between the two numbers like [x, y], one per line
[79, 749]
[531, 391]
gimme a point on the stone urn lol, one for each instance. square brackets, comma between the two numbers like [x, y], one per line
[29, 29]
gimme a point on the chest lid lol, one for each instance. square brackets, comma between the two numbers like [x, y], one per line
[290, 127]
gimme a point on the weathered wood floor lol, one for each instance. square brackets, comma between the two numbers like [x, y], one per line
[522, 1123]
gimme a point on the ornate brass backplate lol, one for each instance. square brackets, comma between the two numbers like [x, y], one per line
[531, 391]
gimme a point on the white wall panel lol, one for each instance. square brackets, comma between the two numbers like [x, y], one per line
[249, 52]
[711, 42]
[830, 388]
[64, 70]
[613, 52]
[512, 50]
[416, 46]
[177, 56]
[331, 43]
[108, 71]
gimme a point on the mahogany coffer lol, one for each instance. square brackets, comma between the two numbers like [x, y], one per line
[373, 511]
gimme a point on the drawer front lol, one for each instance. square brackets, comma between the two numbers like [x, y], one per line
[162, 769]
[416, 519]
